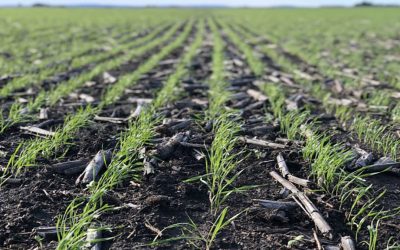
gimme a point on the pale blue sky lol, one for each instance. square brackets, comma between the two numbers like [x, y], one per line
[255, 3]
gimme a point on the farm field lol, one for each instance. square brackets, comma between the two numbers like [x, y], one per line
[200, 128]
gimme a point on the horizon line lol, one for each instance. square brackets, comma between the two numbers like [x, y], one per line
[94, 5]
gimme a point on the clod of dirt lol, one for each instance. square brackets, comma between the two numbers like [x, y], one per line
[164, 151]
[280, 205]
[364, 160]
[209, 125]
[188, 104]
[158, 200]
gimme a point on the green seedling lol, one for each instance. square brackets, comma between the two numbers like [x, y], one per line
[291, 123]
[295, 241]
[72, 226]
[16, 114]
[197, 238]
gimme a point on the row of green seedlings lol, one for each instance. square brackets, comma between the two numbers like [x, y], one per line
[374, 46]
[328, 159]
[40, 29]
[327, 168]
[222, 161]
[47, 48]
[114, 32]
[81, 215]
[41, 73]
[25, 49]
[256, 66]
[379, 137]
[24, 46]
[31, 70]
[29, 151]
[41, 56]
[368, 130]
[31, 32]
[384, 99]
[20, 114]
[378, 98]
[33, 78]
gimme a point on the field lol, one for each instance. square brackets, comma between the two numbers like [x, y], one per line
[200, 129]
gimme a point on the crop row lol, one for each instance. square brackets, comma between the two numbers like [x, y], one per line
[57, 43]
[27, 153]
[329, 158]
[124, 162]
[81, 58]
[52, 96]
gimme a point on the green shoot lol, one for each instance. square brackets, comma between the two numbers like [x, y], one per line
[195, 236]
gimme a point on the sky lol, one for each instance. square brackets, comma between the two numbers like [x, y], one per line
[233, 3]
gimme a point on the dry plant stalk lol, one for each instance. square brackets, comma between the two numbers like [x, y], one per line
[94, 167]
[263, 143]
[311, 209]
[347, 243]
[37, 130]
[286, 174]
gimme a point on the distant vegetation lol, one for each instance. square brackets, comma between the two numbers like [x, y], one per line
[369, 4]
